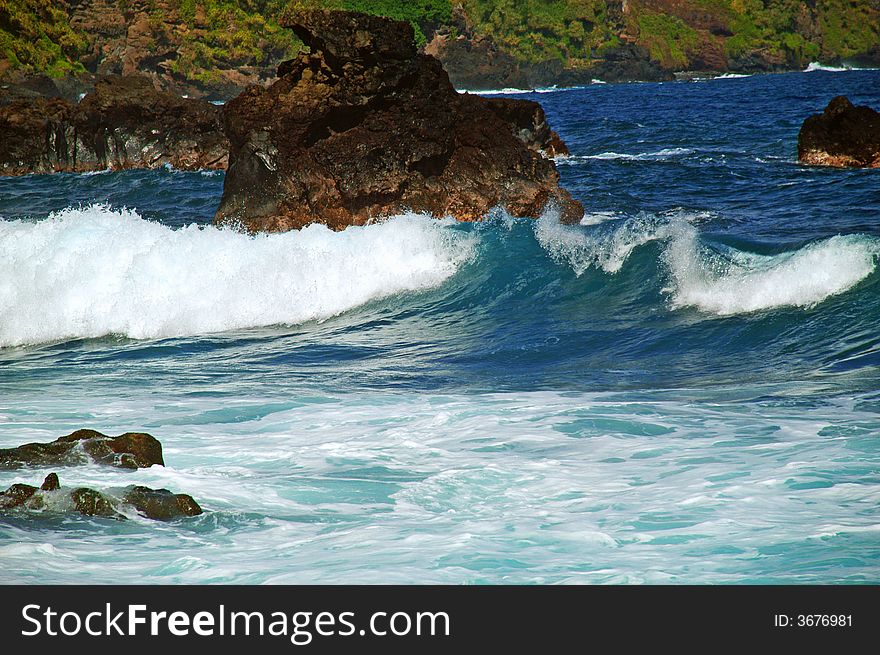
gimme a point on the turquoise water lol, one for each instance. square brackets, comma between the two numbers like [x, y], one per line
[684, 388]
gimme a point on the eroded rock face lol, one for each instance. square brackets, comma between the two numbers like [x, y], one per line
[528, 123]
[131, 450]
[363, 126]
[124, 123]
[156, 504]
[843, 136]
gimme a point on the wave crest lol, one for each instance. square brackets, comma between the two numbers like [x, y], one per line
[92, 272]
[721, 282]
[745, 282]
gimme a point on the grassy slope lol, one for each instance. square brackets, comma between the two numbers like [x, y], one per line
[36, 35]
[229, 34]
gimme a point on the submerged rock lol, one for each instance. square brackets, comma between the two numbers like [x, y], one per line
[124, 123]
[363, 126]
[843, 135]
[156, 504]
[131, 450]
[89, 502]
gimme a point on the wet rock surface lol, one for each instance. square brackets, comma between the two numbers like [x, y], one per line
[161, 504]
[156, 504]
[131, 450]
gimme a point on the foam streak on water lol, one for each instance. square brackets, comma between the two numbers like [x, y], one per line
[503, 488]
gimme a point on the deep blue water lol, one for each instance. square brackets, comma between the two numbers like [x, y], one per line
[684, 388]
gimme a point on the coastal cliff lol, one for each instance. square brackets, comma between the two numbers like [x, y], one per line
[123, 123]
[216, 48]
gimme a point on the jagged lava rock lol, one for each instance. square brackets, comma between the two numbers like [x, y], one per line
[132, 125]
[363, 126]
[156, 504]
[843, 135]
[124, 123]
[131, 450]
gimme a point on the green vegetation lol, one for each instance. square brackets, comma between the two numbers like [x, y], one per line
[839, 28]
[37, 36]
[424, 15]
[536, 30]
[229, 34]
[667, 38]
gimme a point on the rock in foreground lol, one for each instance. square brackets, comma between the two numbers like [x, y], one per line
[363, 126]
[156, 504]
[124, 123]
[843, 136]
[131, 450]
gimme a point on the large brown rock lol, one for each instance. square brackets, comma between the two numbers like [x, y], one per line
[843, 135]
[131, 450]
[124, 123]
[363, 126]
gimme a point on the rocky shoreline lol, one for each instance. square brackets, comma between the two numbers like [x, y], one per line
[125, 122]
[314, 145]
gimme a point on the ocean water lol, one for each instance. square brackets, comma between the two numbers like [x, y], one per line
[685, 388]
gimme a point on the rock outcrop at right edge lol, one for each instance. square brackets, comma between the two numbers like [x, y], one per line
[842, 136]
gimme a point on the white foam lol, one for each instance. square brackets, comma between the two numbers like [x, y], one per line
[516, 91]
[91, 272]
[733, 282]
[816, 66]
[746, 282]
[658, 155]
[583, 249]
[496, 92]
[515, 487]
[594, 218]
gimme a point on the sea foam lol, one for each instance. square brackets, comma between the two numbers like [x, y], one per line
[657, 155]
[745, 282]
[91, 272]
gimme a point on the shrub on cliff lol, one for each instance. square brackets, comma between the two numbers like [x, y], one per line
[35, 35]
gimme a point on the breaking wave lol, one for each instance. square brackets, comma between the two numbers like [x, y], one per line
[94, 272]
[716, 279]
[91, 272]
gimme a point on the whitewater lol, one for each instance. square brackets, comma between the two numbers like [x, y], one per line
[683, 388]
